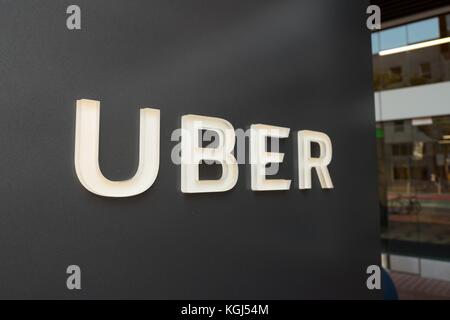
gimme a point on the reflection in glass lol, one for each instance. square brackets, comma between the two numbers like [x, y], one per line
[393, 38]
[414, 163]
[423, 30]
[375, 43]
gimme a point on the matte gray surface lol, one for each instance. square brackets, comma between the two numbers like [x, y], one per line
[297, 64]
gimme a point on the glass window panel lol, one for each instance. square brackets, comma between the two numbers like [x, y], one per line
[414, 171]
[393, 38]
[423, 30]
[412, 68]
[375, 43]
[447, 19]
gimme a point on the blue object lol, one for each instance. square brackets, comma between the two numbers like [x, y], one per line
[388, 286]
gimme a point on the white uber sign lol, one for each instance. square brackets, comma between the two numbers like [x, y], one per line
[192, 154]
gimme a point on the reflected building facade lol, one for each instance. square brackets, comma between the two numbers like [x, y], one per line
[412, 96]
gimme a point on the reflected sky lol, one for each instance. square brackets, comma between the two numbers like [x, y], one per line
[404, 35]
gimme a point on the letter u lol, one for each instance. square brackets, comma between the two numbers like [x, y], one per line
[87, 167]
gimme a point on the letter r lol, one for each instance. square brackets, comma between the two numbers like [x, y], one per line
[306, 163]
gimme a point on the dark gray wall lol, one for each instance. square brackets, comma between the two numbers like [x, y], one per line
[297, 64]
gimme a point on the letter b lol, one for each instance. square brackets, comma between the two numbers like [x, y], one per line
[192, 154]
